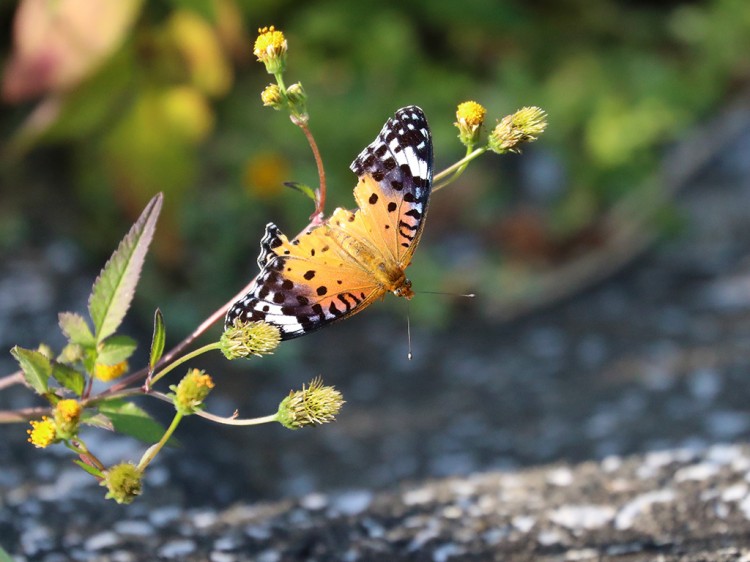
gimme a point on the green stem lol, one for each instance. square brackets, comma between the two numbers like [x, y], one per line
[440, 181]
[280, 82]
[153, 451]
[79, 448]
[183, 359]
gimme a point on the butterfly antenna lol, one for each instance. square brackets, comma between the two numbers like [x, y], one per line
[408, 332]
[466, 295]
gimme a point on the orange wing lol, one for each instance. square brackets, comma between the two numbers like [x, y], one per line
[334, 270]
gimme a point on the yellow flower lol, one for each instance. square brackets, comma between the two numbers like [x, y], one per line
[314, 405]
[469, 119]
[249, 338]
[67, 416]
[525, 125]
[42, 433]
[108, 373]
[123, 482]
[271, 96]
[270, 48]
[191, 391]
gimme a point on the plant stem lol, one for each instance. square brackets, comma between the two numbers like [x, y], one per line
[186, 357]
[11, 379]
[320, 199]
[456, 169]
[153, 451]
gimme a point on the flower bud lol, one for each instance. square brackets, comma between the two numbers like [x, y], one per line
[271, 96]
[314, 405]
[191, 391]
[249, 338]
[67, 418]
[108, 373]
[123, 482]
[469, 120]
[525, 125]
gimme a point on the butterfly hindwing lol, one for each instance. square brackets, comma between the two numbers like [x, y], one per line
[304, 284]
[333, 270]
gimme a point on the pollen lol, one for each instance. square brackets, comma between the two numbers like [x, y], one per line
[470, 113]
[42, 433]
[270, 43]
[68, 410]
[108, 373]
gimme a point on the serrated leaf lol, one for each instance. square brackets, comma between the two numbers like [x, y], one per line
[69, 378]
[302, 188]
[75, 328]
[113, 290]
[35, 366]
[95, 472]
[116, 349]
[158, 339]
[131, 420]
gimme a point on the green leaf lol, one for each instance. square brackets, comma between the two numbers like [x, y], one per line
[4, 556]
[302, 188]
[95, 472]
[116, 349]
[75, 328]
[131, 420]
[158, 339]
[97, 420]
[114, 288]
[35, 366]
[69, 378]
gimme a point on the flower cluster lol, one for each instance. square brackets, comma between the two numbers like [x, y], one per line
[249, 338]
[314, 405]
[191, 391]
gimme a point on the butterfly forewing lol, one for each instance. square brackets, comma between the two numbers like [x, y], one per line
[336, 269]
[395, 179]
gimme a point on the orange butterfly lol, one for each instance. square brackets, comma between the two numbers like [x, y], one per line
[335, 269]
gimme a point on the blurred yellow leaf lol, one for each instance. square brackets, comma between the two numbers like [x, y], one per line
[198, 43]
[58, 43]
[187, 113]
[265, 174]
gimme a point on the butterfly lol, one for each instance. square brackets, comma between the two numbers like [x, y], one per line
[333, 270]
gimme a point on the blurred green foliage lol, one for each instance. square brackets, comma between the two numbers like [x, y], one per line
[175, 107]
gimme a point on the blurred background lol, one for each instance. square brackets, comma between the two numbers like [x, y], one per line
[607, 258]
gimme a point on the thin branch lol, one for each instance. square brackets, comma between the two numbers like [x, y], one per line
[11, 379]
[320, 200]
[231, 420]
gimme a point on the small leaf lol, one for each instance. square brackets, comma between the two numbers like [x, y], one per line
[113, 290]
[35, 366]
[69, 378]
[302, 188]
[147, 454]
[131, 420]
[97, 420]
[75, 328]
[158, 339]
[115, 350]
[95, 472]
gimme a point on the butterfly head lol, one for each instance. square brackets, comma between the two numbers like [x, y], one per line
[404, 290]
